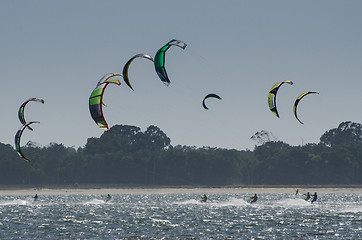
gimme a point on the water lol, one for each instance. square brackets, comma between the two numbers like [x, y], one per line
[181, 216]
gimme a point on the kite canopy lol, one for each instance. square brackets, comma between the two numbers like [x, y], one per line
[22, 108]
[95, 99]
[211, 95]
[126, 67]
[297, 102]
[272, 96]
[18, 137]
[160, 59]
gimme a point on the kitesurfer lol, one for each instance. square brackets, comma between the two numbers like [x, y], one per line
[108, 198]
[204, 198]
[254, 198]
[314, 197]
[308, 196]
[35, 197]
[296, 192]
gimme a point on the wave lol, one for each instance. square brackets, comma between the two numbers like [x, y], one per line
[231, 202]
[94, 202]
[351, 209]
[226, 203]
[16, 202]
[292, 202]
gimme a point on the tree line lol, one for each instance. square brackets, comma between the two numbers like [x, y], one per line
[127, 156]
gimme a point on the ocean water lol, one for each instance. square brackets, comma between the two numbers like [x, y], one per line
[181, 216]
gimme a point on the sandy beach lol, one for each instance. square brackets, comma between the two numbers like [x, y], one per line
[102, 191]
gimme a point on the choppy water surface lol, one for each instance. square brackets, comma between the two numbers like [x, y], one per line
[181, 216]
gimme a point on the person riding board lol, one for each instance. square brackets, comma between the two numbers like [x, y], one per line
[35, 197]
[108, 198]
[254, 198]
[204, 198]
[314, 197]
[308, 196]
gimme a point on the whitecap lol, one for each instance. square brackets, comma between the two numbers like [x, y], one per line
[165, 222]
[15, 202]
[292, 202]
[351, 209]
[189, 201]
[231, 202]
[94, 202]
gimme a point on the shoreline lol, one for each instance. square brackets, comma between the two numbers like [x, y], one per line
[101, 190]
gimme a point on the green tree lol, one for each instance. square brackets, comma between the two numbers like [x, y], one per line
[346, 133]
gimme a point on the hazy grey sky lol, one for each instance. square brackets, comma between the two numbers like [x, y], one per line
[58, 50]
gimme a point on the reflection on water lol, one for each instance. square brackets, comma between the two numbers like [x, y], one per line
[145, 216]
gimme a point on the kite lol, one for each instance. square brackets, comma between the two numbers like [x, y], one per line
[160, 59]
[126, 67]
[297, 102]
[17, 139]
[95, 100]
[272, 96]
[22, 108]
[211, 95]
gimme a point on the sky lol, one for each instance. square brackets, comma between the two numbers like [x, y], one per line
[58, 50]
